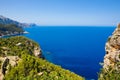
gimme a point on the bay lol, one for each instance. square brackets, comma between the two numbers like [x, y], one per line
[79, 49]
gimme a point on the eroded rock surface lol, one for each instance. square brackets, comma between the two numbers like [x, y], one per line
[112, 57]
[37, 52]
[6, 63]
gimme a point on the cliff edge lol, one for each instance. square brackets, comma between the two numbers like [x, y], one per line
[112, 48]
[111, 65]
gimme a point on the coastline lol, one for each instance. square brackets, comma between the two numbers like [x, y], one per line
[14, 34]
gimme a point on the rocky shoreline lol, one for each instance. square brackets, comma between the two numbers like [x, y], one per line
[14, 34]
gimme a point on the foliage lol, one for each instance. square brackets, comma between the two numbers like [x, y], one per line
[15, 46]
[109, 75]
[30, 68]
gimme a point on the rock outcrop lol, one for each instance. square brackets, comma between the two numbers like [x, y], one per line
[112, 57]
[37, 52]
[6, 63]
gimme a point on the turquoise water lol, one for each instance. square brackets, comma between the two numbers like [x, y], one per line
[79, 49]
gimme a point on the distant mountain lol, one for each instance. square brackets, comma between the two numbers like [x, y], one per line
[4, 20]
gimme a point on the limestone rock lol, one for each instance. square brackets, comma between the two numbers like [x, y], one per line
[112, 57]
[6, 63]
[37, 52]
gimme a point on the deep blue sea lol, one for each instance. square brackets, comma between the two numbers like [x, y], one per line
[79, 49]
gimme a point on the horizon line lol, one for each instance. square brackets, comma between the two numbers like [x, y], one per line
[79, 25]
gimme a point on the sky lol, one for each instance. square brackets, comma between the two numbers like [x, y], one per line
[63, 12]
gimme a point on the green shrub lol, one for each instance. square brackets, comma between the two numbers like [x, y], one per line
[110, 74]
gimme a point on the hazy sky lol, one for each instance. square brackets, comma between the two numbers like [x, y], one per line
[62, 12]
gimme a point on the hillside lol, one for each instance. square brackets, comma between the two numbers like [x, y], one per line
[20, 59]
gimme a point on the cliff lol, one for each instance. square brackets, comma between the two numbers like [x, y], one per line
[20, 59]
[111, 66]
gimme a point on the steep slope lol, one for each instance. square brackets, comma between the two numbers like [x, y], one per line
[20, 59]
[111, 67]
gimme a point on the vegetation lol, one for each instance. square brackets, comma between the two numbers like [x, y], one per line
[16, 46]
[110, 74]
[10, 29]
[30, 67]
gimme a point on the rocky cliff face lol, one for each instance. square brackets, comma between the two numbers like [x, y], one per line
[6, 63]
[112, 57]
[37, 52]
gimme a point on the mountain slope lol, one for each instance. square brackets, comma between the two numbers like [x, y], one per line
[20, 60]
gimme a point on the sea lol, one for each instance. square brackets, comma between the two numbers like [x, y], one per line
[79, 49]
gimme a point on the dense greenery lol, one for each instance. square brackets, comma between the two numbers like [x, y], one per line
[10, 29]
[16, 46]
[30, 67]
